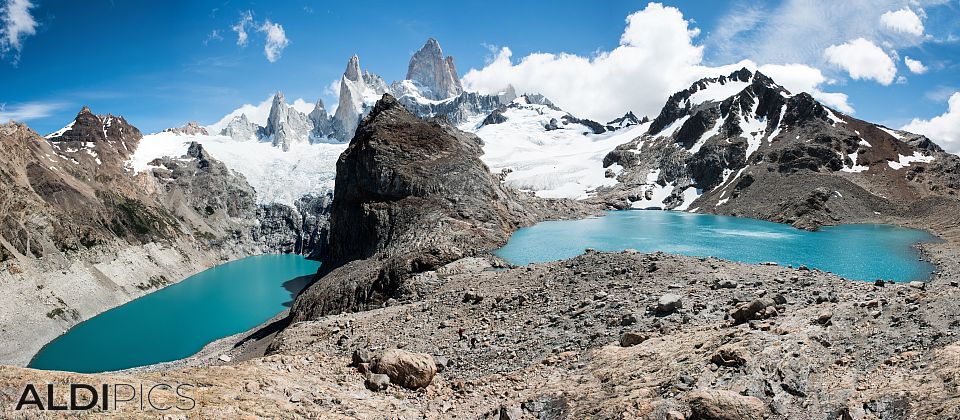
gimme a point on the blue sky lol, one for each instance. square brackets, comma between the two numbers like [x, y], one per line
[161, 64]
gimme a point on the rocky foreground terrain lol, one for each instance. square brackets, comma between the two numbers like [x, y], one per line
[619, 335]
[410, 318]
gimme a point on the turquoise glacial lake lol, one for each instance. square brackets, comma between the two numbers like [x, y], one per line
[177, 321]
[856, 251]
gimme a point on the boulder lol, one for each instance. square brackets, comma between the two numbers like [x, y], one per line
[724, 283]
[669, 303]
[761, 308]
[377, 382]
[725, 405]
[824, 318]
[629, 339]
[407, 369]
[360, 356]
[442, 363]
[472, 297]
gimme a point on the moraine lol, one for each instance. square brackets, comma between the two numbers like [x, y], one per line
[855, 251]
[179, 320]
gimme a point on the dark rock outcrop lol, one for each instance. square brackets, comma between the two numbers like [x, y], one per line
[495, 117]
[626, 120]
[410, 196]
[594, 126]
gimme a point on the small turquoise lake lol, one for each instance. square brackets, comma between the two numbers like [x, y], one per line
[177, 321]
[856, 251]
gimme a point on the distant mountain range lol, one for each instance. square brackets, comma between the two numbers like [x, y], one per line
[432, 88]
[713, 143]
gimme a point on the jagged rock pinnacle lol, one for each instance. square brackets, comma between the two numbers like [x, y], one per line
[431, 70]
[353, 69]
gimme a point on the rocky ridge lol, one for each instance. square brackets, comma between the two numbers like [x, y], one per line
[742, 145]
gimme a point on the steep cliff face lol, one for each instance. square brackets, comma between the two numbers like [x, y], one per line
[353, 91]
[410, 196]
[302, 229]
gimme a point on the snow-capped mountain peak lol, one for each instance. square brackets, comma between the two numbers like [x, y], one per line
[432, 88]
[709, 136]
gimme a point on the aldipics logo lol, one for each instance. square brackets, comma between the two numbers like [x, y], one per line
[108, 397]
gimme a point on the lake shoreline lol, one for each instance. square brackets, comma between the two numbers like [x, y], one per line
[857, 251]
[177, 302]
[94, 285]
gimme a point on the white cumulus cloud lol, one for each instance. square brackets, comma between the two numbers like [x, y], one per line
[915, 66]
[862, 59]
[903, 21]
[657, 56]
[275, 37]
[246, 19]
[16, 23]
[276, 40]
[943, 129]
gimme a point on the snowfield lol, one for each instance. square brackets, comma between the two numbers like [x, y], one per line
[562, 163]
[277, 176]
